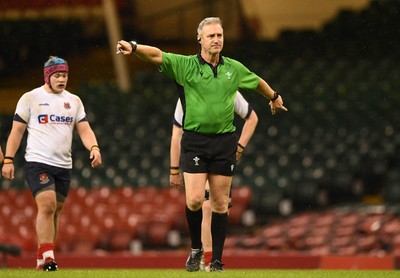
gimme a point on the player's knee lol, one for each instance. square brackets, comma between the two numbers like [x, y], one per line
[48, 209]
[194, 206]
[220, 206]
[194, 203]
[46, 204]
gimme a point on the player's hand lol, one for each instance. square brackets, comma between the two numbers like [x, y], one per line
[277, 104]
[124, 47]
[95, 156]
[239, 151]
[8, 171]
[175, 181]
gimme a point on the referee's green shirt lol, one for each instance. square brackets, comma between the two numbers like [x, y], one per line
[209, 94]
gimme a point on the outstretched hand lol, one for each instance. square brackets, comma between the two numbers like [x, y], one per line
[277, 104]
[124, 47]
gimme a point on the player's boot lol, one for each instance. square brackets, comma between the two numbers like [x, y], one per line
[50, 265]
[216, 266]
[193, 260]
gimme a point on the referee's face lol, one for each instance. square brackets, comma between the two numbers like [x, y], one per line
[212, 39]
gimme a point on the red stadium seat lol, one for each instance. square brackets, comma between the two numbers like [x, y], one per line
[241, 196]
[120, 241]
[231, 242]
[322, 250]
[325, 219]
[347, 250]
[156, 234]
[236, 213]
[273, 230]
[367, 243]
[276, 243]
[252, 242]
[315, 241]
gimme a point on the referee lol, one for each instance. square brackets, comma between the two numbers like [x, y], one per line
[209, 142]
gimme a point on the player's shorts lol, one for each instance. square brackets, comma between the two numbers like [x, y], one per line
[208, 153]
[41, 177]
[207, 196]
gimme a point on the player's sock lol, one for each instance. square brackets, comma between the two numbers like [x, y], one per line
[219, 226]
[194, 219]
[207, 258]
[46, 250]
[39, 258]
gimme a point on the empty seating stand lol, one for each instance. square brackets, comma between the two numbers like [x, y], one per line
[108, 219]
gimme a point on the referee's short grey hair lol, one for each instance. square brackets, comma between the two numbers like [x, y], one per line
[207, 21]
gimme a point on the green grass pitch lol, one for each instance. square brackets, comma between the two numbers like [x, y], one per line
[166, 273]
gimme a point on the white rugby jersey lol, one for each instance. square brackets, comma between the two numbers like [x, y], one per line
[241, 107]
[51, 119]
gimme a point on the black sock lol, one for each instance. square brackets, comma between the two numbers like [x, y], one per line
[219, 226]
[194, 219]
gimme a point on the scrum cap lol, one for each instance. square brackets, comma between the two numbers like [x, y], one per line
[53, 65]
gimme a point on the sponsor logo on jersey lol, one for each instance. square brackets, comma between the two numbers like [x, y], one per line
[43, 119]
[54, 119]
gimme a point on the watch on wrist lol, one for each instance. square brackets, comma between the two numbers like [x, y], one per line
[134, 45]
[276, 95]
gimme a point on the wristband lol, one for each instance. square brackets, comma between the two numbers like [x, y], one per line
[8, 161]
[95, 147]
[134, 45]
[9, 157]
[174, 171]
[240, 148]
[275, 97]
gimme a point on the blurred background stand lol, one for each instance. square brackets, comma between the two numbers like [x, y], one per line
[7, 249]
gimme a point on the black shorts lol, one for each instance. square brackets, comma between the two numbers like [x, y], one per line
[208, 153]
[207, 196]
[41, 177]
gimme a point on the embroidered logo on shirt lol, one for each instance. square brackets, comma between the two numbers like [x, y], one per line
[44, 104]
[196, 161]
[67, 105]
[229, 75]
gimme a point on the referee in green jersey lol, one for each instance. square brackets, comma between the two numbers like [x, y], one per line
[209, 143]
